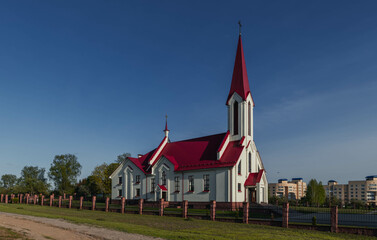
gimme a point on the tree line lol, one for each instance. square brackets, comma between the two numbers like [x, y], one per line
[63, 173]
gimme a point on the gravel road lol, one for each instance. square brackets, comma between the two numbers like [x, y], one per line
[46, 228]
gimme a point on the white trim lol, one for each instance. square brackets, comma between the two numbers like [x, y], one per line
[222, 150]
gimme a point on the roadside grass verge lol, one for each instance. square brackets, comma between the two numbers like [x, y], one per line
[8, 234]
[172, 227]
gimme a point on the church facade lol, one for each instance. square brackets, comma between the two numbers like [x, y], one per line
[225, 167]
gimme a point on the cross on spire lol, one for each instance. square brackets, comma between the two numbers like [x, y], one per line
[240, 26]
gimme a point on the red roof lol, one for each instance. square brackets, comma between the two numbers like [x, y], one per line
[254, 178]
[240, 82]
[197, 153]
[162, 187]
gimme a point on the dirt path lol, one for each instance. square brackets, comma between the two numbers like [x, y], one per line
[47, 228]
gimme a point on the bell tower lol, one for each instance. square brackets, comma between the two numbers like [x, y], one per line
[240, 102]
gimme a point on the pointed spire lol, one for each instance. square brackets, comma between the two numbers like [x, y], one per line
[166, 123]
[240, 82]
[166, 126]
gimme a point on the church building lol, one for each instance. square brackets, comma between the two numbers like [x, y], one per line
[224, 167]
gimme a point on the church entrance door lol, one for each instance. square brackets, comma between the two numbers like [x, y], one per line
[252, 195]
[164, 195]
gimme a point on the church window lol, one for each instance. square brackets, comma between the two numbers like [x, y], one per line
[137, 192]
[250, 162]
[235, 118]
[239, 187]
[191, 183]
[239, 168]
[137, 179]
[176, 184]
[153, 185]
[206, 182]
[120, 192]
[120, 180]
[249, 119]
[163, 178]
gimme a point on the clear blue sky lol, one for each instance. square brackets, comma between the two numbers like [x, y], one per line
[96, 78]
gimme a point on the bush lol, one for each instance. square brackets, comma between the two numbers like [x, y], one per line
[314, 221]
[15, 200]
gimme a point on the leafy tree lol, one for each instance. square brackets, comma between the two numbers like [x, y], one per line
[8, 181]
[276, 199]
[333, 201]
[109, 170]
[123, 157]
[98, 178]
[99, 181]
[315, 193]
[64, 171]
[357, 204]
[93, 185]
[82, 188]
[33, 180]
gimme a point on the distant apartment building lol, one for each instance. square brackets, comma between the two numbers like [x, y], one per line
[363, 190]
[295, 189]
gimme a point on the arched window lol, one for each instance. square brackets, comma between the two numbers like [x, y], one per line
[163, 178]
[250, 162]
[239, 168]
[249, 118]
[235, 118]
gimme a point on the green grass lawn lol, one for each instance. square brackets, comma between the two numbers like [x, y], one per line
[172, 227]
[327, 210]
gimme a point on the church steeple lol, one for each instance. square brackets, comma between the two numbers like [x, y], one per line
[240, 81]
[166, 130]
[240, 102]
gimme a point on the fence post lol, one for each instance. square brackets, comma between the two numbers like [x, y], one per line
[2, 198]
[161, 213]
[184, 208]
[11, 198]
[81, 202]
[6, 198]
[51, 200]
[70, 202]
[213, 210]
[285, 215]
[35, 199]
[123, 203]
[42, 199]
[27, 198]
[94, 203]
[246, 212]
[107, 205]
[60, 201]
[141, 206]
[21, 198]
[64, 196]
[334, 219]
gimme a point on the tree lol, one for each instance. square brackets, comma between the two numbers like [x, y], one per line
[99, 181]
[109, 170]
[82, 189]
[123, 157]
[332, 201]
[64, 171]
[33, 180]
[8, 180]
[315, 193]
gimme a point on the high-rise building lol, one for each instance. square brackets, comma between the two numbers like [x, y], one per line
[295, 189]
[363, 190]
